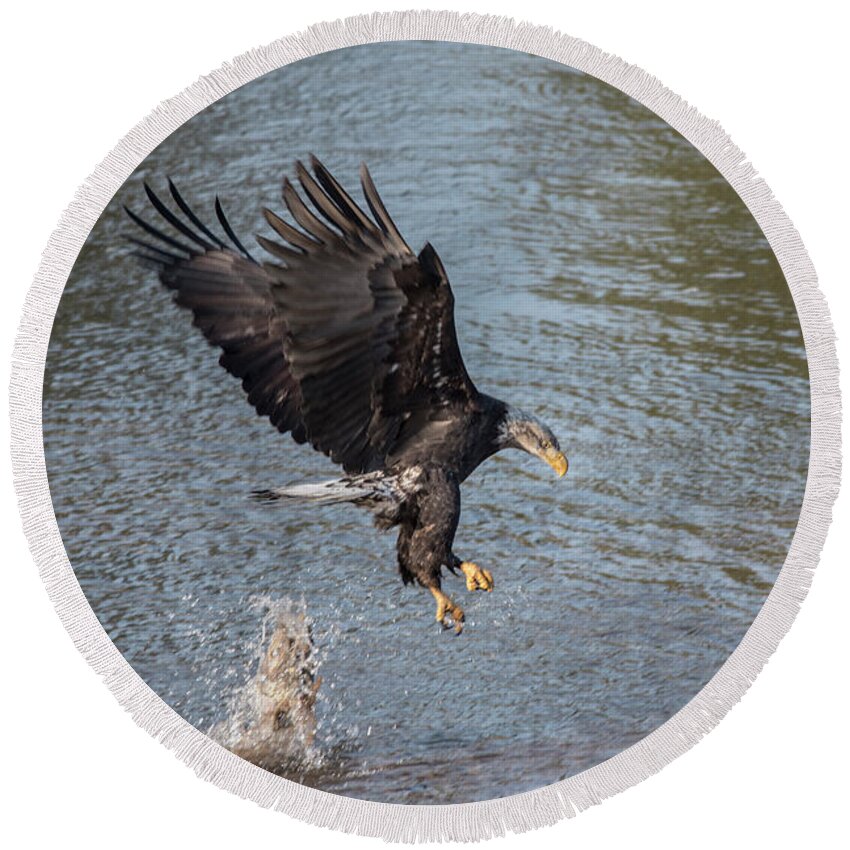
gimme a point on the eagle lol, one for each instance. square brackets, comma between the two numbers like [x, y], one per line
[345, 338]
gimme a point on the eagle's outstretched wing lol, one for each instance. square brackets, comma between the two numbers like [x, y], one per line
[340, 339]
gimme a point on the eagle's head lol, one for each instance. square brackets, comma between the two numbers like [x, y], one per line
[521, 430]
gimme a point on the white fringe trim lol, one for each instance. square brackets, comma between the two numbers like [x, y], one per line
[467, 821]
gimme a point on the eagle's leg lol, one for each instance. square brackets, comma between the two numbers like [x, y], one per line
[476, 578]
[447, 608]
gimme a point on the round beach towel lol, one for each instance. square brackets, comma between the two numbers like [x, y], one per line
[431, 417]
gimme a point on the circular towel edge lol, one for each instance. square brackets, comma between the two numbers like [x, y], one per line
[399, 822]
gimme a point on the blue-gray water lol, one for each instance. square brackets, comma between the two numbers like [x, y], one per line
[607, 278]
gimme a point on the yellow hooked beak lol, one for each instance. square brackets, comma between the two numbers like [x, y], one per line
[557, 461]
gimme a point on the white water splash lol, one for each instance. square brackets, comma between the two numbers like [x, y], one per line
[271, 719]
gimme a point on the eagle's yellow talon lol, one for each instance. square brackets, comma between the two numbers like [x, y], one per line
[476, 578]
[447, 608]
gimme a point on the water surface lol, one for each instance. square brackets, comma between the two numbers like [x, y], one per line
[607, 278]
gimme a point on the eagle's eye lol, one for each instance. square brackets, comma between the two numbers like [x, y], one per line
[545, 445]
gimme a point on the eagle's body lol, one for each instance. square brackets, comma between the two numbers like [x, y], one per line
[348, 342]
[459, 440]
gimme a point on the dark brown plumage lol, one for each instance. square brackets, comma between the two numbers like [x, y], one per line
[347, 340]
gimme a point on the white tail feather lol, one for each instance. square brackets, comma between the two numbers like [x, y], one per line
[325, 492]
